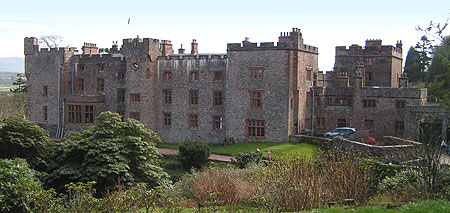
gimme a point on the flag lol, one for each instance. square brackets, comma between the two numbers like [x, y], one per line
[128, 20]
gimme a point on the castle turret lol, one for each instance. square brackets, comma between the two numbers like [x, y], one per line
[30, 45]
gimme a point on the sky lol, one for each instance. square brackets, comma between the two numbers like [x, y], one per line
[324, 24]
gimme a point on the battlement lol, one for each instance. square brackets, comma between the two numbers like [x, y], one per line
[141, 40]
[100, 56]
[373, 47]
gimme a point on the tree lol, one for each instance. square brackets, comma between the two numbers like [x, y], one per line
[50, 41]
[13, 105]
[108, 152]
[425, 49]
[413, 66]
[20, 138]
[192, 153]
[21, 83]
[21, 191]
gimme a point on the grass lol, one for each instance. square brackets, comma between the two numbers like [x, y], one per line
[5, 88]
[276, 149]
[425, 206]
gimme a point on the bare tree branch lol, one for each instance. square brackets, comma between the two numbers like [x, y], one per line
[51, 41]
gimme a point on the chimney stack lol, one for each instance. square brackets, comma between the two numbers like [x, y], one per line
[181, 50]
[194, 47]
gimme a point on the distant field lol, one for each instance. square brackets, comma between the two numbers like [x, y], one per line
[5, 88]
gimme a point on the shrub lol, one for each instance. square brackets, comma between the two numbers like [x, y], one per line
[193, 154]
[211, 186]
[407, 185]
[20, 191]
[244, 159]
[20, 138]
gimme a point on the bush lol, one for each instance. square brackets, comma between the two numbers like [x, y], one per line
[407, 185]
[20, 138]
[244, 159]
[20, 191]
[193, 154]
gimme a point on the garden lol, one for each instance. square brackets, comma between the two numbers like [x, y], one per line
[114, 166]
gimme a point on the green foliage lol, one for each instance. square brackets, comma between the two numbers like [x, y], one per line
[244, 159]
[193, 154]
[21, 83]
[413, 66]
[24, 139]
[13, 105]
[407, 185]
[109, 152]
[381, 170]
[438, 75]
[20, 191]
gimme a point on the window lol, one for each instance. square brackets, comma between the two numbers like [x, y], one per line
[74, 112]
[167, 96]
[320, 123]
[121, 76]
[368, 124]
[255, 128]
[167, 76]
[399, 127]
[318, 102]
[400, 104]
[308, 123]
[308, 74]
[193, 121]
[330, 101]
[89, 114]
[71, 113]
[193, 97]
[45, 90]
[167, 122]
[135, 115]
[256, 99]
[120, 96]
[77, 114]
[341, 122]
[257, 73]
[44, 113]
[370, 103]
[218, 98]
[80, 82]
[368, 76]
[81, 67]
[218, 76]
[369, 61]
[217, 122]
[101, 67]
[308, 99]
[100, 84]
[194, 76]
[69, 86]
[135, 98]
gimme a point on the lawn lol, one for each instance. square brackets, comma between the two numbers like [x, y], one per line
[276, 149]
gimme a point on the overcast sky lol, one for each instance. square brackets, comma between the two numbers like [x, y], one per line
[324, 24]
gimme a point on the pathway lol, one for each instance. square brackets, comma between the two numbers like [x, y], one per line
[214, 157]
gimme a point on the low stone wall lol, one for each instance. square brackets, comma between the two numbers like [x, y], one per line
[404, 151]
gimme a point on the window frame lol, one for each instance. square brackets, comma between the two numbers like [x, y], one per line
[167, 96]
[193, 121]
[167, 76]
[256, 102]
[135, 97]
[194, 75]
[257, 73]
[217, 122]
[218, 98]
[167, 119]
[255, 128]
[100, 84]
[193, 97]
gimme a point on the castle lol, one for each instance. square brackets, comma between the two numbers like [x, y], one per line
[253, 92]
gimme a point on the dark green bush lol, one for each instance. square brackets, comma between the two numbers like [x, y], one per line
[381, 170]
[244, 159]
[193, 154]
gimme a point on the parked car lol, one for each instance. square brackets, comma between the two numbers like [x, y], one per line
[342, 131]
[306, 132]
